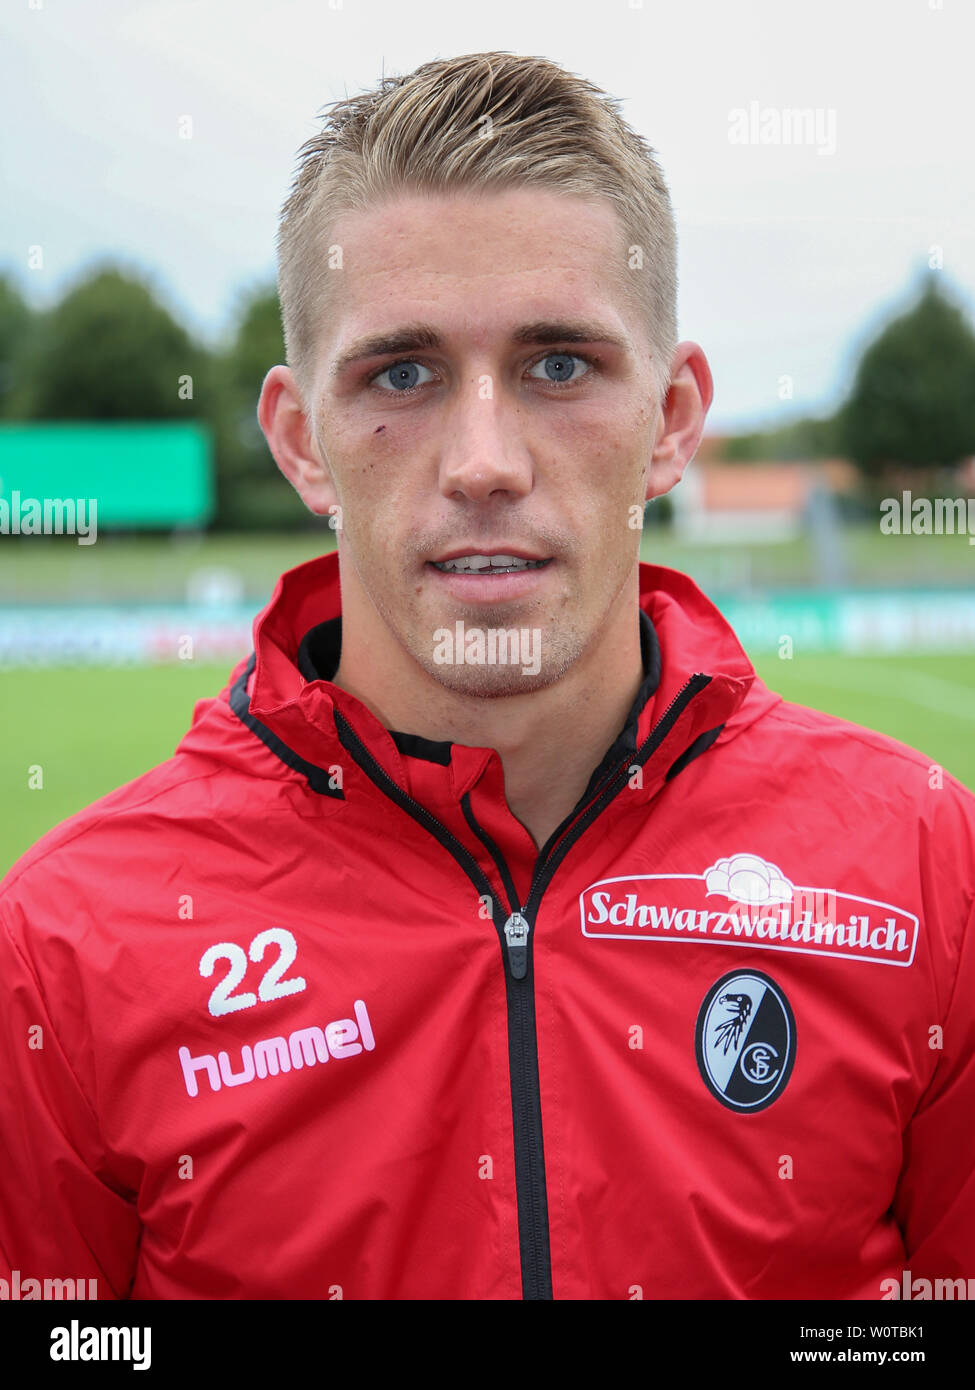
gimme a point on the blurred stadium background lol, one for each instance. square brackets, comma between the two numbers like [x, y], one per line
[105, 395]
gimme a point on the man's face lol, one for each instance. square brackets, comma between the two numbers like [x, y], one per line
[511, 410]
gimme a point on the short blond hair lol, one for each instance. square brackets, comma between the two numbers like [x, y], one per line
[480, 121]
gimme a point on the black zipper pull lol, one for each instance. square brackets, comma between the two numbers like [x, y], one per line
[516, 935]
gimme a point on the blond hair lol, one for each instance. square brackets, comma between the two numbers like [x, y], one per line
[483, 120]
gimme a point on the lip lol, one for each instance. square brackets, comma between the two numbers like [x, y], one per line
[460, 550]
[488, 587]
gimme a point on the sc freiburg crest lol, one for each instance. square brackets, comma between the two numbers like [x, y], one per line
[746, 1040]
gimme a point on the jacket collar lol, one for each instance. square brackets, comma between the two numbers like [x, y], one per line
[286, 695]
[318, 659]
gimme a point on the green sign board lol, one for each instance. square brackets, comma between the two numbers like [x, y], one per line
[156, 475]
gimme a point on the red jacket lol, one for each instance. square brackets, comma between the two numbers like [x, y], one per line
[302, 1013]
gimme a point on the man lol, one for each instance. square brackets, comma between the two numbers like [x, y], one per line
[495, 933]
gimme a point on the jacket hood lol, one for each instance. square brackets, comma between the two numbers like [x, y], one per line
[283, 693]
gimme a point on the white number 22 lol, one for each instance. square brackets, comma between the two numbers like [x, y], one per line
[223, 1000]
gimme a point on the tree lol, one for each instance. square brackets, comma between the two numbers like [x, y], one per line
[16, 326]
[912, 404]
[251, 490]
[110, 351]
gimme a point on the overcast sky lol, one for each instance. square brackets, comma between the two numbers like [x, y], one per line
[791, 254]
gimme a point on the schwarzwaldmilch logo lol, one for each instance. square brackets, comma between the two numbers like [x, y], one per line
[745, 900]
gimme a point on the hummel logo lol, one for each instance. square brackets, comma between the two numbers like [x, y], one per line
[272, 1056]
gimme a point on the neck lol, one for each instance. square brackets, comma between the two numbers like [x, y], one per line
[549, 740]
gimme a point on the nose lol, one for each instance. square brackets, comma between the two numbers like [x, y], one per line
[484, 451]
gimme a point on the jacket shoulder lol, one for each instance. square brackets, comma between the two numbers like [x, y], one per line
[210, 778]
[868, 745]
[885, 779]
[162, 791]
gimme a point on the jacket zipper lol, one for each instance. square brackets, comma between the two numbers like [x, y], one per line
[553, 854]
[515, 934]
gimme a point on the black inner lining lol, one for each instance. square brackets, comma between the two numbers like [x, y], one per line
[318, 659]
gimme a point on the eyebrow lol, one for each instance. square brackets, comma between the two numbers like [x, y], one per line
[422, 337]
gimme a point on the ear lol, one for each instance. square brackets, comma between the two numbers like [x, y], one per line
[681, 418]
[281, 415]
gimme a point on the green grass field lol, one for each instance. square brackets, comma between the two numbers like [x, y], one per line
[90, 730]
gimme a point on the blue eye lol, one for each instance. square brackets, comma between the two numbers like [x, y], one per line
[403, 376]
[560, 366]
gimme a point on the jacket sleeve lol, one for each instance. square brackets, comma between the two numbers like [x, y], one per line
[935, 1200]
[60, 1217]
